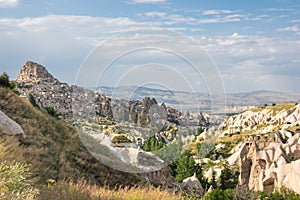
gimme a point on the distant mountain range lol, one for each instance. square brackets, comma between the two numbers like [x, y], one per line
[201, 101]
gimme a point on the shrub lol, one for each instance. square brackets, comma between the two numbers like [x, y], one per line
[32, 100]
[220, 194]
[120, 139]
[282, 193]
[4, 80]
[52, 111]
[152, 144]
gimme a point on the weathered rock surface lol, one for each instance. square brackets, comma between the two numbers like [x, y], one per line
[33, 73]
[9, 127]
[273, 166]
[192, 185]
[267, 118]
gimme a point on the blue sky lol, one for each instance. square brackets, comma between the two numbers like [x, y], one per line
[255, 44]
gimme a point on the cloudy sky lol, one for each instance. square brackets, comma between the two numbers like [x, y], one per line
[254, 44]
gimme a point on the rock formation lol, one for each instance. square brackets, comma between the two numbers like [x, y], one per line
[33, 73]
[268, 118]
[192, 185]
[273, 166]
[9, 127]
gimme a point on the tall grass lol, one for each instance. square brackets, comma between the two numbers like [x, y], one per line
[84, 191]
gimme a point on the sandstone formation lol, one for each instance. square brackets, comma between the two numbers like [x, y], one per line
[269, 167]
[9, 127]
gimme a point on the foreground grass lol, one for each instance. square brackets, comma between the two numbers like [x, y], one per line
[84, 191]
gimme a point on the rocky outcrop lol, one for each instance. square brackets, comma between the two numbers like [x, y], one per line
[9, 127]
[139, 111]
[33, 73]
[269, 167]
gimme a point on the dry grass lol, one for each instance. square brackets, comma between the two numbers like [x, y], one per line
[276, 108]
[84, 191]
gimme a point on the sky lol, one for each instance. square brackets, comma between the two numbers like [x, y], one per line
[254, 45]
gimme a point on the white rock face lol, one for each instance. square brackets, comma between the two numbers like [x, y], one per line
[9, 126]
[270, 167]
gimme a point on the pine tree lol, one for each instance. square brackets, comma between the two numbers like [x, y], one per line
[185, 166]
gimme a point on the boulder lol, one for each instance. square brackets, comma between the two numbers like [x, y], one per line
[9, 127]
[192, 184]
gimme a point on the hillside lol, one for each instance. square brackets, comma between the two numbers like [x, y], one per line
[53, 147]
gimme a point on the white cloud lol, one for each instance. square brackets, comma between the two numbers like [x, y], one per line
[295, 21]
[217, 12]
[279, 9]
[149, 1]
[155, 14]
[294, 28]
[60, 40]
[8, 3]
[56, 40]
[255, 61]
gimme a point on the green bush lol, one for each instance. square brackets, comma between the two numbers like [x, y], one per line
[52, 111]
[219, 194]
[152, 144]
[283, 194]
[4, 80]
[185, 166]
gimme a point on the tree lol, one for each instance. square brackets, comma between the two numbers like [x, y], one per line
[213, 181]
[185, 166]
[202, 179]
[152, 144]
[229, 178]
[4, 80]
